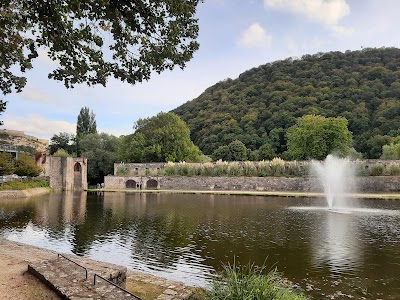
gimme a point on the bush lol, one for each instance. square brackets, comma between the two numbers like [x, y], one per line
[26, 166]
[121, 171]
[376, 170]
[6, 164]
[394, 170]
[249, 282]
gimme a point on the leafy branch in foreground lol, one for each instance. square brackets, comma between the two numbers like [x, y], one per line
[94, 40]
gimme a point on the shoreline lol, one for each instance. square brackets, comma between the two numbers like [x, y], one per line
[16, 256]
[377, 196]
[24, 193]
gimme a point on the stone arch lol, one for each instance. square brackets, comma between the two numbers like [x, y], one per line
[130, 184]
[77, 176]
[77, 167]
[151, 184]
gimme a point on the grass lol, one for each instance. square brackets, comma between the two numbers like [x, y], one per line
[23, 184]
[145, 291]
[249, 282]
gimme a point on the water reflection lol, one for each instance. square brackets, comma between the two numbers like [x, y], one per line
[185, 237]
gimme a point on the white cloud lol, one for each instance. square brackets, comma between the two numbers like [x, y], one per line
[36, 125]
[255, 36]
[33, 93]
[327, 12]
[342, 31]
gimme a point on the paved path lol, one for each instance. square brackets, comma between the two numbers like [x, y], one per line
[17, 284]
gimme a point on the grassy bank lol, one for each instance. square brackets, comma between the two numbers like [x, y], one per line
[23, 184]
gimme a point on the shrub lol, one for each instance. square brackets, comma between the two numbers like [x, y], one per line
[6, 164]
[249, 282]
[394, 170]
[376, 170]
[61, 152]
[121, 171]
[26, 166]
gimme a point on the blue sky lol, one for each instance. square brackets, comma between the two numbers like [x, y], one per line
[235, 35]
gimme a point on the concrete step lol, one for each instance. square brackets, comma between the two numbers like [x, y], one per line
[74, 282]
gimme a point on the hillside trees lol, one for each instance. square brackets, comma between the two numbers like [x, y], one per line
[164, 137]
[316, 137]
[260, 105]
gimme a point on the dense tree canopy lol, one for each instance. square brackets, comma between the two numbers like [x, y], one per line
[100, 150]
[258, 107]
[62, 140]
[317, 137]
[161, 138]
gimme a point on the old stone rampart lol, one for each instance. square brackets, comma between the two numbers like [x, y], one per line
[364, 184]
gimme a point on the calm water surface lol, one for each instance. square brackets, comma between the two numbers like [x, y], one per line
[187, 237]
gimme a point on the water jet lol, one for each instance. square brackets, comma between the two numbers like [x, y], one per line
[337, 179]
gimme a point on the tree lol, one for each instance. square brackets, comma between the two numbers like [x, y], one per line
[235, 151]
[100, 150]
[94, 40]
[26, 166]
[316, 137]
[63, 140]
[391, 151]
[6, 164]
[164, 137]
[86, 123]
[2, 109]
[266, 152]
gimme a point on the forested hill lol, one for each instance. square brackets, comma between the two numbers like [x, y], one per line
[257, 108]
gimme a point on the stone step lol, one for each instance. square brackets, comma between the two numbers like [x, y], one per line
[74, 282]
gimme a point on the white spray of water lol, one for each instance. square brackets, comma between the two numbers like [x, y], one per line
[337, 178]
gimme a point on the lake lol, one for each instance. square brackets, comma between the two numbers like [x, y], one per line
[187, 237]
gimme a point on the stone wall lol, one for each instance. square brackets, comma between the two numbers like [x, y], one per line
[65, 173]
[367, 184]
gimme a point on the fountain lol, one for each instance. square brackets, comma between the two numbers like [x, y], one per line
[336, 175]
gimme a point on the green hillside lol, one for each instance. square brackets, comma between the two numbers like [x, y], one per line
[257, 108]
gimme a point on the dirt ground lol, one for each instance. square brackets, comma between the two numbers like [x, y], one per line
[17, 284]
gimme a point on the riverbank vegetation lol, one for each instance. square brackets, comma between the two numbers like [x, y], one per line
[251, 283]
[24, 165]
[275, 167]
[23, 184]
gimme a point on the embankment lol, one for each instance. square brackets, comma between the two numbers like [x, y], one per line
[24, 193]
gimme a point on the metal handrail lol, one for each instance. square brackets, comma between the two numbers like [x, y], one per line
[116, 285]
[86, 270]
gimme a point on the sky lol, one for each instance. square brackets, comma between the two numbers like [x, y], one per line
[234, 36]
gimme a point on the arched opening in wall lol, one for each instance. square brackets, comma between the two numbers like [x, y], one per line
[77, 167]
[77, 176]
[151, 184]
[130, 184]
